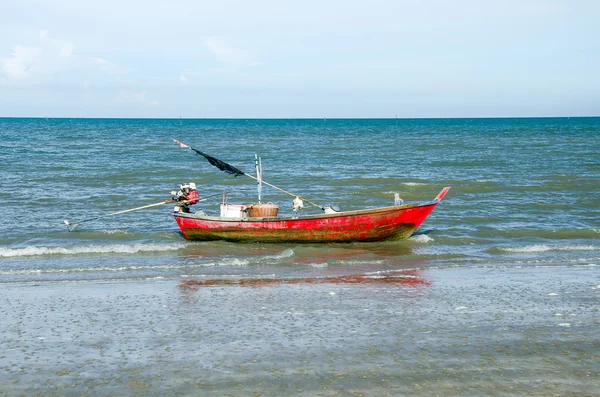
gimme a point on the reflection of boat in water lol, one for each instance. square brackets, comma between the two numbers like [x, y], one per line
[412, 278]
[395, 222]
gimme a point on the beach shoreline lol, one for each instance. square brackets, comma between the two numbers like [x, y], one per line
[461, 331]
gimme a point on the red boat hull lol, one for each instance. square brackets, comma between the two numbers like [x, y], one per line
[397, 222]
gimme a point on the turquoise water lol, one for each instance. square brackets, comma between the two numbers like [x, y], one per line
[524, 192]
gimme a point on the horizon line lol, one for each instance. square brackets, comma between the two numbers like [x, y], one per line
[294, 118]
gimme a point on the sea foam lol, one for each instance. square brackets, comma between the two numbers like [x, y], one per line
[287, 253]
[421, 238]
[88, 249]
[545, 248]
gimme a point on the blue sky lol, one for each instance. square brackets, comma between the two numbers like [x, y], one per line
[130, 58]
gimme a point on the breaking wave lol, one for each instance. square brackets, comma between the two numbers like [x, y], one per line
[230, 262]
[420, 238]
[288, 253]
[554, 234]
[545, 248]
[93, 269]
[227, 261]
[89, 249]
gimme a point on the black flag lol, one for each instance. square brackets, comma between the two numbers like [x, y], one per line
[223, 166]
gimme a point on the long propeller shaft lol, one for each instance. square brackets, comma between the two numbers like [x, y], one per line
[73, 225]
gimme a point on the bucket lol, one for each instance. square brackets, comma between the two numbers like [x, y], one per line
[263, 210]
[233, 211]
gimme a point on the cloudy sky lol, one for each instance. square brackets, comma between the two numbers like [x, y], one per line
[263, 58]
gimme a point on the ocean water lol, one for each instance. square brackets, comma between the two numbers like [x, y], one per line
[497, 293]
[524, 193]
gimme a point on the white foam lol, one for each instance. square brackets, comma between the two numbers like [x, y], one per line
[115, 231]
[545, 248]
[357, 262]
[88, 249]
[421, 238]
[98, 269]
[234, 262]
[571, 260]
[283, 254]
[398, 271]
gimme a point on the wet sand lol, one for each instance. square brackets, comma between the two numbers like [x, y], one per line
[447, 332]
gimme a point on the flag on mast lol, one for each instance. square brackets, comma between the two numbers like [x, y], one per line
[223, 166]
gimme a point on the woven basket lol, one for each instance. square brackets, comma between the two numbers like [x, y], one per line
[268, 210]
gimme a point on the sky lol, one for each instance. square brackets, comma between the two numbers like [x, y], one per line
[288, 59]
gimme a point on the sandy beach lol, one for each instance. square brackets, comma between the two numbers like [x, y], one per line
[450, 332]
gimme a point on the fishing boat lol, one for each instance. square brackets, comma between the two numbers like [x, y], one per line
[395, 222]
[260, 222]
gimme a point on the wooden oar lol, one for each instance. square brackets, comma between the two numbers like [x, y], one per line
[228, 168]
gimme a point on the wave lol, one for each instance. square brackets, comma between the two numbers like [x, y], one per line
[89, 249]
[421, 238]
[576, 261]
[355, 262]
[235, 261]
[288, 253]
[88, 269]
[406, 184]
[554, 234]
[407, 270]
[230, 262]
[115, 231]
[544, 248]
[87, 280]
[227, 261]
[92, 269]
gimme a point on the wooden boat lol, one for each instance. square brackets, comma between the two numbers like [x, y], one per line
[395, 222]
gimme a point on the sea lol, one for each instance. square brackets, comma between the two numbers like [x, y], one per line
[497, 293]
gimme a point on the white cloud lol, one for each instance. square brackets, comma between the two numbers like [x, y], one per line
[63, 48]
[229, 55]
[50, 56]
[182, 78]
[107, 66]
[22, 62]
[136, 97]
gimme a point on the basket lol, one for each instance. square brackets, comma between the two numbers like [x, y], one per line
[263, 210]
